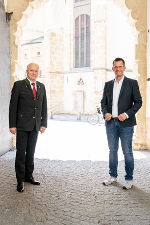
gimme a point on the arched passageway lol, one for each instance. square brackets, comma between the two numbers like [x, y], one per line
[64, 79]
[71, 191]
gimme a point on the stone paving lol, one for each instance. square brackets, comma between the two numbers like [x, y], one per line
[71, 193]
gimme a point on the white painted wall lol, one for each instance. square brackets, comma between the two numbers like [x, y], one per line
[5, 137]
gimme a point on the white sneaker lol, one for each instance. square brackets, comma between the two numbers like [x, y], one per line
[128, 184]
[110, 180]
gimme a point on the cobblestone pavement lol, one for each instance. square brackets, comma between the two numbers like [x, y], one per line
[71, 193]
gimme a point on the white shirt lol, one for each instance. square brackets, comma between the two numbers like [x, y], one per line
[32, 83]
[116, 93]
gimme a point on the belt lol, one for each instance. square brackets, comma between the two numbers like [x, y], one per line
[114, 118]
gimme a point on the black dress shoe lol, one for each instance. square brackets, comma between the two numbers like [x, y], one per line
[32, 181]
[20, 187]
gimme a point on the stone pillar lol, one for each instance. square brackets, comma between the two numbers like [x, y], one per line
[138, 11]
[5, 137]
[148, 76]
[17, 7]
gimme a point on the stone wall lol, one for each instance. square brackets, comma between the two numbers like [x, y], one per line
[5, 137]
[139, 13]
[56, 92]
[148, 76]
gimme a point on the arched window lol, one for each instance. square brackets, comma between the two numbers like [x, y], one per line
[82, 41]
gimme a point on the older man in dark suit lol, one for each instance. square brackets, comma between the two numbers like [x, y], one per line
[27, 116]
[120, 102]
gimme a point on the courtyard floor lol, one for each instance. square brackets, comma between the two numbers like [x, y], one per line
[71, 162]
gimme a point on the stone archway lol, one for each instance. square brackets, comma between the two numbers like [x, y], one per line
[139, 14]
[135, 13]
[22, 10]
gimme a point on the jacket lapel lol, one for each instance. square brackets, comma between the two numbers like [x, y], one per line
[28, 86]
[38, 89]
[123, 86]
[111, 89]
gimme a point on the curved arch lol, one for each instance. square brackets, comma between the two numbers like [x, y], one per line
[136, 16]
[22, 12]
[127, 12]
[26, 15]
[138, 13]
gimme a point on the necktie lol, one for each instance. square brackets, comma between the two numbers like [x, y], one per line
[34, 91]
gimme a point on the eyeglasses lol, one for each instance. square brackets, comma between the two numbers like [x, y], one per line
[118, 67]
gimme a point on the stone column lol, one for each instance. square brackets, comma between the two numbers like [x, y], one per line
[148, 76]
[5, 137]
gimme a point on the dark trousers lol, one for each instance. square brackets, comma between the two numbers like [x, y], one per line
[25, 144]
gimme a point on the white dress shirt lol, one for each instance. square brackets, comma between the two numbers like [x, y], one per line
[32, 85]
[116, 93]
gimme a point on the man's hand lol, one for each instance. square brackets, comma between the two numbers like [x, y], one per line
[13, 130]
[108, 116]
[122, 117]
[42, 129]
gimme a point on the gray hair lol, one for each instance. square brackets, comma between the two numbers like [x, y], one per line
[28, 66]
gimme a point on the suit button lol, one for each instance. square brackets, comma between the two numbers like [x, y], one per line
[33, 117]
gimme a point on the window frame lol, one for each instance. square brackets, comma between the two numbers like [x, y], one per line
[82, 41]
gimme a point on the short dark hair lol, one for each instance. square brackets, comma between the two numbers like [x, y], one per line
[119, 59]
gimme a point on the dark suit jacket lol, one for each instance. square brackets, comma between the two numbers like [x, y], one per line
[24, 112]
[130, 100]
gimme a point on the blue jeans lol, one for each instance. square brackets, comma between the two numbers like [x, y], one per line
[114, 131]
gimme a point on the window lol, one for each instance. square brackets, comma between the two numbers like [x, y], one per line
[38, 53]
[79, 0]
[82, 41]
[25, 55]
[40, 73]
